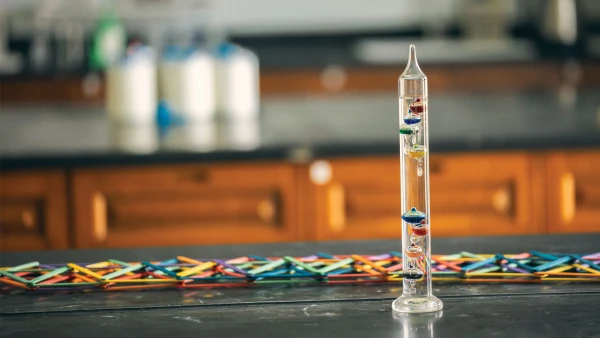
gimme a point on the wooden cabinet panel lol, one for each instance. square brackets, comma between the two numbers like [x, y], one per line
[476, 194]
[33, 213]
[185, 205]
[487, 194]
[573, 181]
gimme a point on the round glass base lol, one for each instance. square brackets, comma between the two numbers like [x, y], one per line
[414, 304]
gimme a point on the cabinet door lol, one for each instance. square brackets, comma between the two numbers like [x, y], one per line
[33, 211]
[573, 181]
[487, 194]
[476, 194]
[185, 205]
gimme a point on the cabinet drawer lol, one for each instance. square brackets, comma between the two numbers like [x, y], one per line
[487, 194]
[33, 211]
[573, 181]
[470, 195]
[185, 205]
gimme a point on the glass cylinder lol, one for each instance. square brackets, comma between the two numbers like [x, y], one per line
[417, 296]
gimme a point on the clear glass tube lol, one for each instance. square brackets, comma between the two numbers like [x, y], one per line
[417, 296]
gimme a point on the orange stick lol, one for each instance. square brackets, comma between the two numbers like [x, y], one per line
[370, 263]
[13, 283]
[56, 279]
[225, 272]
[140, 287]
[84, 278]
[188, 260]
[205, 274]
[452, 265]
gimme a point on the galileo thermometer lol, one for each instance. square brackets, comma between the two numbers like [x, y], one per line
[417, 295]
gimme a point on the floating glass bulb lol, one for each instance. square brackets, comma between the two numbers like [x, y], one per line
[420, 229]
[414, 251]
[418, 106]
[417, 151]
[406, 129]
[411, 118]
[413, 275]
[419, 240]
[413, 216]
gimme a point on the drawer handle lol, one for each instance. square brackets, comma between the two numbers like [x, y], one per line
[502, 200]
[435, 167]
[337, 207]
[28, 218]
[200, 176]
[99, 214]
[568, 197]
[269, 210]
[266, 211]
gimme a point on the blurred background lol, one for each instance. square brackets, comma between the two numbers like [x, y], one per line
[130, 123]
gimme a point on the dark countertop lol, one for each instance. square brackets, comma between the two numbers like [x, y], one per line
[470, 310]
[355, 49]
[301, 128]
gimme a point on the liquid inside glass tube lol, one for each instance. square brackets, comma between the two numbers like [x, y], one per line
[417, 296]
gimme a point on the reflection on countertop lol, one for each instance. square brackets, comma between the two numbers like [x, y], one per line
[300, 128]
[415, 325]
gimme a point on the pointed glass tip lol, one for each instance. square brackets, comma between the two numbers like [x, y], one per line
[412, 55]
[412, 69]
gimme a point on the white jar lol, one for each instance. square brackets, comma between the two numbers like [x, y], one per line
[131, 89]
[187, 84]
[237, 78]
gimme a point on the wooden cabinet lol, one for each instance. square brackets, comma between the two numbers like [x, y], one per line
[353, 198]
[477, 194]
[487, 194]
[185, 205]
[573, 181]
[33, 212]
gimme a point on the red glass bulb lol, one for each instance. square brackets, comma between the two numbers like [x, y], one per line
[417, 107]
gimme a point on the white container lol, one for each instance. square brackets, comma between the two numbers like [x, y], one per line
[187, 83]
[198, 137]
[237, 79]
[242, 135]
[131, 89]
[135, 138]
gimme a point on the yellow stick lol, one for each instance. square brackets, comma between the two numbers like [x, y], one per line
[188, 260]
[84, 270]
[500, 274]
[98, 265]
[596, 272]
[196, 268]
[560, 269]
[572, 274]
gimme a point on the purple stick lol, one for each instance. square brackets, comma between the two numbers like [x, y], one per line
[45, 266]
[379, 257]
[515, 269]
[230, 266]
[593, 256]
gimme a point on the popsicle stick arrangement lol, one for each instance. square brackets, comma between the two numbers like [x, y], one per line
[320, 269]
